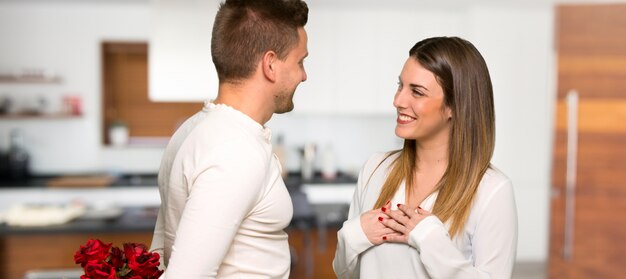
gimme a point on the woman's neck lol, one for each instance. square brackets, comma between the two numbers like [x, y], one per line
[432, 162]
[432, 154]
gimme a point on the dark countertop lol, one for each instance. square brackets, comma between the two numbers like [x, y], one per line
[139, 179]
[132, 220]
[150, 179]
[316, 216]
[295, 180]
[143, 219]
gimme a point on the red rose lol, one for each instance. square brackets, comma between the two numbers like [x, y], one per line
[142, 262]
[99, 270]
[93, 251]
[117, 258]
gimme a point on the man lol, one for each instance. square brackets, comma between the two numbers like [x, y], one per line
[224, 204]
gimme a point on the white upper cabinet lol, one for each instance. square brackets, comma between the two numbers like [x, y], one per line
[179, 56]
[355, 53]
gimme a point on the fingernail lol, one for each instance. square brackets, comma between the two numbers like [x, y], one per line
[383, 209]
[384, 238]
[398, 205]
[420, 207]
[380, 219]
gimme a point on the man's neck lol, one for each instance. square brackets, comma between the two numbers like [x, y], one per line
[247, 99]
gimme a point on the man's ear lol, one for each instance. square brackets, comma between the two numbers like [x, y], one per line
[268, 64]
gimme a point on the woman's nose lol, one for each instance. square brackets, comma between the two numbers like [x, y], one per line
[398, 100]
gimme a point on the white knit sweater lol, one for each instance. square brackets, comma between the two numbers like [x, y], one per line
[224, 204]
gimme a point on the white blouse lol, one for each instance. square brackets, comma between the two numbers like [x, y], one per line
[224, 204]
[485, 249]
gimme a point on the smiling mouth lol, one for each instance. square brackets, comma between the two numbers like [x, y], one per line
[404, 119]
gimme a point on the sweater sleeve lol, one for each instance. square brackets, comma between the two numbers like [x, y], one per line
[493, 244]
[351, 240]
[223, 191]
[158, 239]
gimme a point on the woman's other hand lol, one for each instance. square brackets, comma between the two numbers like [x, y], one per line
[373, 227]
[403, 221]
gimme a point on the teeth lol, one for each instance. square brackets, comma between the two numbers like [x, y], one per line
[405, 117]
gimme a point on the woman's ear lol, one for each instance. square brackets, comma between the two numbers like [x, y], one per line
[269, 68]
[448, 113]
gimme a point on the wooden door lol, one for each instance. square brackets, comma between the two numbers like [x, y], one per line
[588, 224]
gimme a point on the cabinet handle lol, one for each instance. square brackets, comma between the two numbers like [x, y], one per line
[570, 173]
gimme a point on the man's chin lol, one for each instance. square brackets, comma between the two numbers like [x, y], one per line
[285, 109]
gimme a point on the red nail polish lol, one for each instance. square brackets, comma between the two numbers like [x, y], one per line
[398, 205]
[384, 238]
[383, 209]
[380, 219]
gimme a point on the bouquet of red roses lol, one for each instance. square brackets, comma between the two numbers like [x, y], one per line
[100, 261]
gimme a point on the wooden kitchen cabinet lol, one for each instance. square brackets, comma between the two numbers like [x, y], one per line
[313, 253]
[20, 253]
[53, 247]
[125, 96]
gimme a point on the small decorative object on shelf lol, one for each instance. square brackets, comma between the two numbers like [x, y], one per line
[118, 133]
[72, 105]
[100, 260]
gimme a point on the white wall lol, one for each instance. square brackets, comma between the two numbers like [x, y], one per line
[515, 40]
[65, 37]
[517, 43]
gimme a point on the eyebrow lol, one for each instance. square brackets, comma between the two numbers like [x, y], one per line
[413, 85]
[305, 56]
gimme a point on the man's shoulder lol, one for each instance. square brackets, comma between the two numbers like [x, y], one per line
[217, 134]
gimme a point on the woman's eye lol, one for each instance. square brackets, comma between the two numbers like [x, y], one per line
[417, 92]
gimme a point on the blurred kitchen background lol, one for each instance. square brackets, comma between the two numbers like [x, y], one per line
[91, 90]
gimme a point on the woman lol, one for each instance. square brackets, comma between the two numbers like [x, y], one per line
[436, 208]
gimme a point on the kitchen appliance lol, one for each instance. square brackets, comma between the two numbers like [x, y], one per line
[307, 161]
[15, 164]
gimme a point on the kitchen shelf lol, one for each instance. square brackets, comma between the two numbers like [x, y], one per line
[24, 116]
[29, 79]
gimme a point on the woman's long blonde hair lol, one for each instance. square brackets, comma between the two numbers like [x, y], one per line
[462, 73]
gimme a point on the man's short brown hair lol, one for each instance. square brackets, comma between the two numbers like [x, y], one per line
[245, 29]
